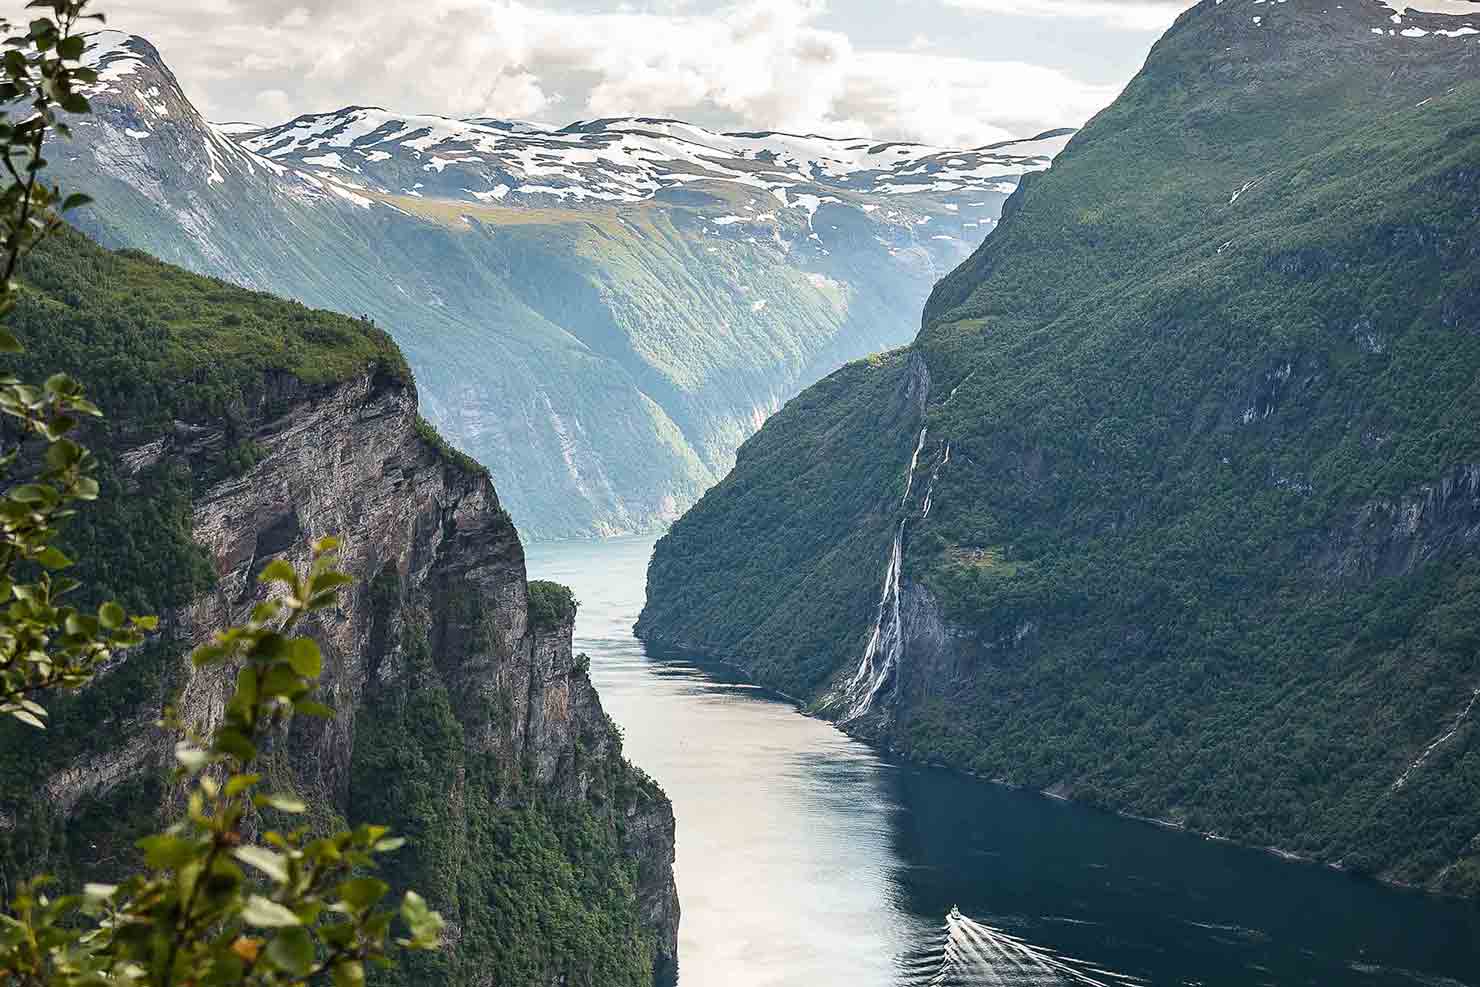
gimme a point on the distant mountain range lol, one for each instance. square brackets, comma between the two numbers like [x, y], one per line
[600, 313]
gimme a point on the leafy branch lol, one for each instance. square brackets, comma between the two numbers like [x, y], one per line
[214, 904]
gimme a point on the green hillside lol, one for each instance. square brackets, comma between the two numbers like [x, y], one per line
[1204, 547]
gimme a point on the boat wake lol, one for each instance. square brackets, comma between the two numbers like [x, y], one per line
[966, 953]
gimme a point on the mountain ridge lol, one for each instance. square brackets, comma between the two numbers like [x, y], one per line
[604, 357]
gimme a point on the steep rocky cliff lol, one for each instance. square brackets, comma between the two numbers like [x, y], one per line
[460, 719]
[1171, 507]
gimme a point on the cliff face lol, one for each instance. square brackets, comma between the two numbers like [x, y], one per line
[459, 720]
[1185, 523]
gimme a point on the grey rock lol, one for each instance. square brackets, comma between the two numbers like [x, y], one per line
[350, 461]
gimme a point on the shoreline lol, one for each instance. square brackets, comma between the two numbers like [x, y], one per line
[702, 656]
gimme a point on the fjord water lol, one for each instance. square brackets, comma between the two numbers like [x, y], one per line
[806, 859]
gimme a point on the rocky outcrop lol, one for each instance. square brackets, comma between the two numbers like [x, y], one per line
[1393, 536]
[427, 543]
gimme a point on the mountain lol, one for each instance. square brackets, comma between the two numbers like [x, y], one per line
[600, 314]
[241, 428]
[1173, 506]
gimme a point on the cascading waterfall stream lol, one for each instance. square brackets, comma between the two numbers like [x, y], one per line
[881, 656]
[966, 953]
[909, 477]
[1443, 739]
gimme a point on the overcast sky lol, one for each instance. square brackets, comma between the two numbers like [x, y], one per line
[952, 72]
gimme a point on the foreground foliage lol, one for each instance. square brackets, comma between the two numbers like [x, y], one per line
[211, 902]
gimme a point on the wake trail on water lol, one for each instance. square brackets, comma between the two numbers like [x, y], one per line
[966, 953]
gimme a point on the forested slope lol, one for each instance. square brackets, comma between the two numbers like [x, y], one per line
[1191, 530]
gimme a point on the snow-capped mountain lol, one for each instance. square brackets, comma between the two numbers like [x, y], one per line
[600, 313]
[623, 160]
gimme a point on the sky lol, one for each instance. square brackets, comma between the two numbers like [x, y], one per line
[955, 73]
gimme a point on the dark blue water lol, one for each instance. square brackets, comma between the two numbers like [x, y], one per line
[805, 859]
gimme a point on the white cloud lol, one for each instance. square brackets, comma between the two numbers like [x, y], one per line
[1132, 15]
[751, 64]
[961, 102]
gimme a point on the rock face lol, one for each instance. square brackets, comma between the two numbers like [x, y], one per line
[1187, 522]
[431, 552]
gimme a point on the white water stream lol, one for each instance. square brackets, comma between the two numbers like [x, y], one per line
[885, 649]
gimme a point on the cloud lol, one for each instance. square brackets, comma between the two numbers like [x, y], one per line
[750, 64]
[1127, 15]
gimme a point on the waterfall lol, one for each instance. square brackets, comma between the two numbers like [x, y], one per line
[881, 656]
[909, 478]
[930, 490]
[966, 953]
[885, 648]
[1443, 739]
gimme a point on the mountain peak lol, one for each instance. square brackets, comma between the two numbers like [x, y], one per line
[368, 153]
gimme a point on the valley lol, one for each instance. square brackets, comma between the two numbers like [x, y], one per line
[736, 555]
[600, 314]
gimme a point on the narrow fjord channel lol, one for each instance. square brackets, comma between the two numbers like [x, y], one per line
[807, 860]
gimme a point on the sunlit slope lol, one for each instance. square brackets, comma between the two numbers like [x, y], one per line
[1192, 529]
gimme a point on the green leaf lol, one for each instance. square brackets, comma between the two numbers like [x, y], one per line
[28, 718]
[265, 914]
[310, 707]
[192, 759]
[269, 863]
[282, 803]
[240, 783]
[278, 571]
[349, 973]
[165, 852]
[304, 656]
[425, 924]
[208, 654]
[291, 951]
[328, 581]
[111, 616]
[229, 740]
[389, 844]
[362, 892]
[9, 344]
[53, 558]
[30, 493]
[282, 681]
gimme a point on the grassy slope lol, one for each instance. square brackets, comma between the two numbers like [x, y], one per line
[1105, 489]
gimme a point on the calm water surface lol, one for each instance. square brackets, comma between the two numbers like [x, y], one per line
[805, 859]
